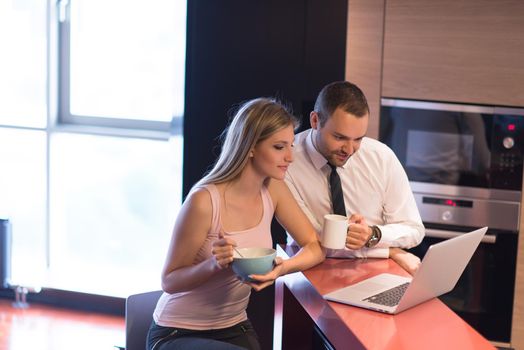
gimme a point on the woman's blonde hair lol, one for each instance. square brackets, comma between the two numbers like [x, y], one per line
[255, 121]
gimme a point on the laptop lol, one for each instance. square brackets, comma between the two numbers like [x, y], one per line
[438, 273]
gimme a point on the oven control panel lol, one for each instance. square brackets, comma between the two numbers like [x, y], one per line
[507, 150]
[472, 212]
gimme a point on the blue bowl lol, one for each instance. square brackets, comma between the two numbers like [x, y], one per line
[254, 261]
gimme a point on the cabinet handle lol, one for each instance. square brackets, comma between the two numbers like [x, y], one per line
[450, 234]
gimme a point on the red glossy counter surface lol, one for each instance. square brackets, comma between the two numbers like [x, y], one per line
[300, 309]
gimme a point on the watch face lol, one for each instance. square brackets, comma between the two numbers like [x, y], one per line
[373, 240]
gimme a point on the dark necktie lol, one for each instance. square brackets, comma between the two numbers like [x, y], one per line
[337, 196]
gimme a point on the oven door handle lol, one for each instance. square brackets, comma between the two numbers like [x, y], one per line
[450, 234]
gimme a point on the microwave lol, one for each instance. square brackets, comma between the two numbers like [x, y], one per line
[456, 144]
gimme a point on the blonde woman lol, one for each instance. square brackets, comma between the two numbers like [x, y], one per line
[204, 303]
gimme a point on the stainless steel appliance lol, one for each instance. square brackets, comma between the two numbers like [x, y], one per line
[465, 168]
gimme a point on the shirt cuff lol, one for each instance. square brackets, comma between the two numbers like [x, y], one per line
[376, 252]
[350, 253]
[360, 253]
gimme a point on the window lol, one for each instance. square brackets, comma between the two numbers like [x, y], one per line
[123, 59]
[23, 201]
[23, 144]
[90, 140]
[112, 210]
[23, 64]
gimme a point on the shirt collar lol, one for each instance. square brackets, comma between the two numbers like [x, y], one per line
[316, 157]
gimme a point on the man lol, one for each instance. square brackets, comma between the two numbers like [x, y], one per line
[376, 194]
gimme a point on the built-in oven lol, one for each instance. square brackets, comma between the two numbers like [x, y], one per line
[464, 163]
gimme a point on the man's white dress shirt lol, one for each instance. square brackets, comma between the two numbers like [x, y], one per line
[374, 184]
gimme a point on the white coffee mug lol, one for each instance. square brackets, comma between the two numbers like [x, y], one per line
[334, 231]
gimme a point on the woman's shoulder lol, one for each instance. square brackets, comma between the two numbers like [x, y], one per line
[199, 200]
[277, 189]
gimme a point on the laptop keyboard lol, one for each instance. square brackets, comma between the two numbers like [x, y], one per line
[389, 297]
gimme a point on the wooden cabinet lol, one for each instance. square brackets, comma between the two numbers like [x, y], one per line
[469, 51]
[364, 53]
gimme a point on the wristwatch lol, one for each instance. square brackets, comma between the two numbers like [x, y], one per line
[375, 237]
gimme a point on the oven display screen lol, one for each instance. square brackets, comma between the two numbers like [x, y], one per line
[448, 202]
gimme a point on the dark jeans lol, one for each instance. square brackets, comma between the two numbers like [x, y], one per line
[239, 336]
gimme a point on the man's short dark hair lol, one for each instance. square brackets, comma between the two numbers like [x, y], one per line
[340, 94]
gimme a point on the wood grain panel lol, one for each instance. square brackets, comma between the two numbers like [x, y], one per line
[364, 53]
[455, 50]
